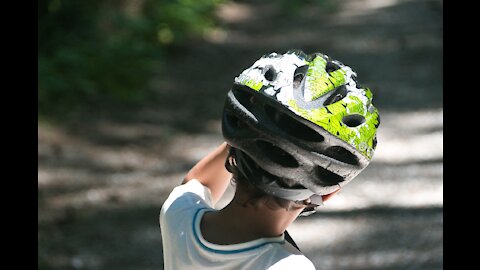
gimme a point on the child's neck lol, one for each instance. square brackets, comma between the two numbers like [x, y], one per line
[238, 223]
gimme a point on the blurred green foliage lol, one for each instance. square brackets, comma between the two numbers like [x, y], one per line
[95, 52]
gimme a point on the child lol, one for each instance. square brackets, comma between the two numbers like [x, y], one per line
[297, 128]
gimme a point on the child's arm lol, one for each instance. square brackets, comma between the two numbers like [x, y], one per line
[211, 172]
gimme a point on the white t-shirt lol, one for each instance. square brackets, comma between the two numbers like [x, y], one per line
[185, 248]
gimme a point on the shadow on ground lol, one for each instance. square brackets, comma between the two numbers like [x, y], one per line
[102, 238]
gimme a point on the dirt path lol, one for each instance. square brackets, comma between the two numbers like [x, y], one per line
[102, 181]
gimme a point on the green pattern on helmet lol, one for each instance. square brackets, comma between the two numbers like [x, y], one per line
[319, 81]
[255, 85]
[368, 93]
[331, 119]
[252, 82]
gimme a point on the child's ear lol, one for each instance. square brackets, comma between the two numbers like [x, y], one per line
[328, 196]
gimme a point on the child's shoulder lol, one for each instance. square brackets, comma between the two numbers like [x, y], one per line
[190, 196]
[286, 256]
[293, 261]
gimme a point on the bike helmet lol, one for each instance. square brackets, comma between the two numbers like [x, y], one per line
[300, 125]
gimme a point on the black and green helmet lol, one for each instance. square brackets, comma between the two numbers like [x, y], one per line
[302, 119]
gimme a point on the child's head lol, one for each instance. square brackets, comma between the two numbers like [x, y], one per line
[300, 127]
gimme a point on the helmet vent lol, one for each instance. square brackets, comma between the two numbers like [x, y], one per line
[326, 177]
[337, 95]
[291, 126]
[341, 154]
[331, 66]
[270, 74]
[276, 154]
[297, 79]
[353, 120]
[299, 75]
[244, 97]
